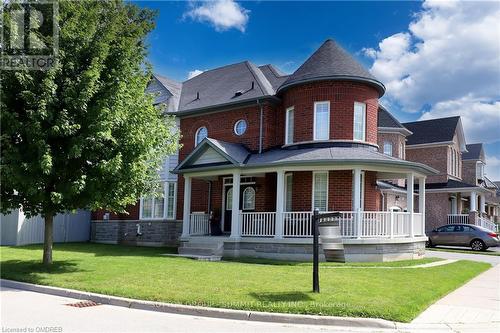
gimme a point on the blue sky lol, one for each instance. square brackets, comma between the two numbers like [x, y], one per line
[415, 48]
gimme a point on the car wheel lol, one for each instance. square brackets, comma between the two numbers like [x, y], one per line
[478, 245]
[428, 243]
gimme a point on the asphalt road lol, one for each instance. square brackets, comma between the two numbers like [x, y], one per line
[494, 260]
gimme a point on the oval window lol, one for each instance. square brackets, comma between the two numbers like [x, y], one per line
[201, 134]
[240, 127]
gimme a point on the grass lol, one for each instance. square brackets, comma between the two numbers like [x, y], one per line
[143, 273]
[470, 251]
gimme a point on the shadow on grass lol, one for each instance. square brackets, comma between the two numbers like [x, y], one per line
[33, 270]
[281, 297]
[260, 261]
[100, 250]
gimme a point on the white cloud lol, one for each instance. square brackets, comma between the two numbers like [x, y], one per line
[493, 168]
[194, 73]
[222, 14]
[447, 63]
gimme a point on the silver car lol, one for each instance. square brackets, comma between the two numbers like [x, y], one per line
[478, 238]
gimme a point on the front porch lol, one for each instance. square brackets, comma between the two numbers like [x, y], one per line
[465, 209]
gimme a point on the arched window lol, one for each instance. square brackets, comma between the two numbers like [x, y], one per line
[229, 199]
[201, 134]
[249, 198]
[240, 127]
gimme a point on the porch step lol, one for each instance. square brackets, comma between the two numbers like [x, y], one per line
[202, 247]
[198, 251]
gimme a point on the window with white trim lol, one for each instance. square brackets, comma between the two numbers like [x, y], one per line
[322, 120]
[288, 192]
[361, 191]
[402, 150]
[388, 148]
[229, 199]
[160, 206]
[320, 191]
[201, 134]
[290, 115]
[480, 170]
[240, 127]
[249, 198]
[359, 126]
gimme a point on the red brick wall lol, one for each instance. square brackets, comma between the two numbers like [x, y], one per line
[342, 96]
[469, 172]
[301, 191]
[372, 194]
[435, 157]
[437, 207]
[220, 126]
[340, 190]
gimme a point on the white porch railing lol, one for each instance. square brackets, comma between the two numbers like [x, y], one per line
[485, 223]
[199, 224]
[457, 218]
[258, 224]
[297, 224]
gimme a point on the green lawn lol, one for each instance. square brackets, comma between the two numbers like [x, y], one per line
[143, 273]
[470, 251]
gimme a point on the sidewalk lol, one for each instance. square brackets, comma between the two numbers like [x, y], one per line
[477, 302]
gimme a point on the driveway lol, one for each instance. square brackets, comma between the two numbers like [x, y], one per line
[491, 259]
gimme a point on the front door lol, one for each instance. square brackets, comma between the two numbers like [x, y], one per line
[247, 203]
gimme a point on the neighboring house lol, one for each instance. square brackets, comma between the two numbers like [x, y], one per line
[261, 150]
[152, 221]
[457, 194]
[17, 229]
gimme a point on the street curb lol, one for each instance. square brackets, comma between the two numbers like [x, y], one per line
[203, 311]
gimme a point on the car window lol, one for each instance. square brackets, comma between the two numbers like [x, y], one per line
[446, 228]
[459, 228]
[468, 229]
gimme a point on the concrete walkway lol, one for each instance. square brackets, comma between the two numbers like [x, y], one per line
[476, 304]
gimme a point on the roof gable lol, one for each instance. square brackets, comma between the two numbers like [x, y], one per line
[166, 91]
[436, 131]
[214, 152]
[331, 62]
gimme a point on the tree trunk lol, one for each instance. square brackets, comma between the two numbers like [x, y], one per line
[48, 239]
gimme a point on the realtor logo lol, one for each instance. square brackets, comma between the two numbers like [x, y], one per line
[29, 34]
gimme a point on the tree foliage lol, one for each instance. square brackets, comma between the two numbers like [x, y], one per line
[84, 134]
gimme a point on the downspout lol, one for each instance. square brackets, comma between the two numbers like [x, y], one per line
[261, 124]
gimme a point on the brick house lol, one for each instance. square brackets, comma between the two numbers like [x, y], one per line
[261, 150]
[460, 192]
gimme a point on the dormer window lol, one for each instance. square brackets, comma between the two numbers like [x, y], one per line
[201, 134]
[322, 120]
[359, 127]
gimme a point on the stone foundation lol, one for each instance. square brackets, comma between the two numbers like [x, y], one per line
[374, 251]
[153, 233]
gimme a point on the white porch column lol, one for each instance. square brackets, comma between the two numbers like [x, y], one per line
[187, 206]
[235, 213]
[482, 203]
[421, 201]
[454, 205]
[280, 199]
[356, 204]
[473, 201]
[409, 200]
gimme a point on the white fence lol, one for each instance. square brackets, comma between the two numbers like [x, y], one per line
[258, 224]
[485, 223]
[352, 224]
[199, 224]
[457, 218]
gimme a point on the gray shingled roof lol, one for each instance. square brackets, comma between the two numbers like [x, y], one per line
[450, 184]
[273, 75]
[165, 90]
[239, 155]
[219, 86]
[386, 119]
[430, 131]
[331, 62]
[473, 152]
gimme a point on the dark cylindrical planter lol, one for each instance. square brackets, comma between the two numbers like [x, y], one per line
[331, 241]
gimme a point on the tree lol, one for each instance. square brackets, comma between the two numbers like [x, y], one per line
[84, 134]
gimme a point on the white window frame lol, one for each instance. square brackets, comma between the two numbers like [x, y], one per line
[386, 144]
[236, 125]
[244, 207]
[354, 122]
[196, 143]
[362, 191]
[287, 125]
[166, 213]
[314, 188]
[288, 192]
[314, 124]
[402, 150]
